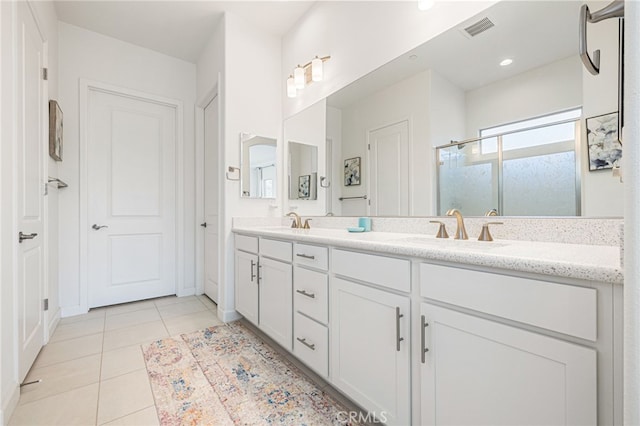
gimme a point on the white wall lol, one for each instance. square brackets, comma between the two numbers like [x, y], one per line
[358, 46]
[47, 21]
[603, 194]
[88, 55]
[248, 62]
[550, 88]
[307, 127]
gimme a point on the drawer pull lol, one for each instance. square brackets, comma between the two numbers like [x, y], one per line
[306, 256]
[423, 326]
[398, 338]
[304, 293]
[304, 342]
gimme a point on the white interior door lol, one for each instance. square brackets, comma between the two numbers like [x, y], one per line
[211, 183]
[31, 107]
[389, 170]
[131, 151]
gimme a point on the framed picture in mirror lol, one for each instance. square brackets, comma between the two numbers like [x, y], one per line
[304, 186]
[352, 171]
[605, 149]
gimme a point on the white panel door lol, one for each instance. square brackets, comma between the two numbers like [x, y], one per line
[478, 372]
[31, 107]
[389, 170]
[131, 146]
[211, 191]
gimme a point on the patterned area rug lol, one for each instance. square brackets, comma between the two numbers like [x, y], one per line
[226, 375]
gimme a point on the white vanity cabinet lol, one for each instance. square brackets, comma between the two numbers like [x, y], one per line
[478, 371]
[370, 333]
[264, 285]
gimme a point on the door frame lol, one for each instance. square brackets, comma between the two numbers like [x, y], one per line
[86, 86]
[201, 104]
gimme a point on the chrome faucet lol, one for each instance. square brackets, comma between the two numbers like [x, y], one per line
[461, 233]
[297, 222]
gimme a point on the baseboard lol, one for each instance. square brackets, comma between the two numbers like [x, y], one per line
[53, 323]
[10, 406]
[72, 311]
[228, 316]
[186, 292]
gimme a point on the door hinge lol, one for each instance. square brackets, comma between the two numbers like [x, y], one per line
[46, 304]
[45, 73]
[369, 146]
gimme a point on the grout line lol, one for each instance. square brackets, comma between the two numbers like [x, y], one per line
[104, 327]
[126, 415]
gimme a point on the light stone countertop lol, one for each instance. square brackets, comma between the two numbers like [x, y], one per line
[580, 261]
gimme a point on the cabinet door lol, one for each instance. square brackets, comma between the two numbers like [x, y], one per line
[370, 349]
[276, 301]
[479, 372]
[247, 285]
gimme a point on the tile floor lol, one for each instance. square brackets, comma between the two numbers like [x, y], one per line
[92, 369]
[93, 372]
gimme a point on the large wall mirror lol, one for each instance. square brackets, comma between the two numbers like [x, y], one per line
[511, 67]
[258, 166]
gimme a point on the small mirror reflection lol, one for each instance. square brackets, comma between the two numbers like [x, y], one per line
[258, 166]
[303, 171]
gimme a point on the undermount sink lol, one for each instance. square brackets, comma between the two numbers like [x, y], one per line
[451, 243]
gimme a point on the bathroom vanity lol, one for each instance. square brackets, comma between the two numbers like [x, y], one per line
[419, 330]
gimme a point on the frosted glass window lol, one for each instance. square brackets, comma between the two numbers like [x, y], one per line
[543, 185]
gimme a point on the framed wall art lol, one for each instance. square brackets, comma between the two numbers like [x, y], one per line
[55, 131]
[352, 171]
[605, 149]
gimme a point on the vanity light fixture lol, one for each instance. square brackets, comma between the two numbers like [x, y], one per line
[306, 74]
[506, 62]
[425, 4]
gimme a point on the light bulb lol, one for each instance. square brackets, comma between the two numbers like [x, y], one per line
[291, 87]
[316, 69]
[298, 77]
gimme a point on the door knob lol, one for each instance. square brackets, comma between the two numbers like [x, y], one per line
[22, 237]
[204, 225]
[98, 227]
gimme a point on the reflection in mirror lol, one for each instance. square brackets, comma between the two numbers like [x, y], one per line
[395, 117]
[258, 166]
[303, 171]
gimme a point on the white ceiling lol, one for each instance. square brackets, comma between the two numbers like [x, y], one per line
[532, 33]
[176, 28]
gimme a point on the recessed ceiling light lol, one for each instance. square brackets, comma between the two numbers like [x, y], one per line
[506, 62]
[425, 4]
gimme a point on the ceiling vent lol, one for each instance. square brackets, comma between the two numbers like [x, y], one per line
[479, 27]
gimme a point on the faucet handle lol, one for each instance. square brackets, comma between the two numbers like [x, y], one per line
[306, 224]
[442, 230]
[485, 235]
[294, 224]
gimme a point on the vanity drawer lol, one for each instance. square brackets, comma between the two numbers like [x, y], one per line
[311, 293]
[246, 243]
[314, 256]
[385, 271]
[562, 308]
[275, 249]
[311, 344]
